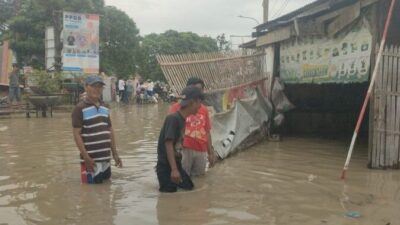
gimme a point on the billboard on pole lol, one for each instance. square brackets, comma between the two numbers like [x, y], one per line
[80, 42]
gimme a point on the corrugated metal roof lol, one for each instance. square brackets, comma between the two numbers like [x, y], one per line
[313, 9]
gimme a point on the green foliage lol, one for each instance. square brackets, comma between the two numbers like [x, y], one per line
[120, 52]
[45, 83]
[223, 44]
[171, 42]
[6, 12]
[27, 30]
[119, 39]
[119, 43]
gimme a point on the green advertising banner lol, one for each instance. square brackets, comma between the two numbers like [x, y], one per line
[345, 59]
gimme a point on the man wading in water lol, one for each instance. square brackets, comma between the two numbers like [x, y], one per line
[93, 134]
[169, 168]
[197, 141]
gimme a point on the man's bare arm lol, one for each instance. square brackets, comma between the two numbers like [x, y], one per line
[79, 143]
[114, 152]
[175, 175]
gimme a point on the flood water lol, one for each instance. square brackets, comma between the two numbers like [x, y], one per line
[295, 181]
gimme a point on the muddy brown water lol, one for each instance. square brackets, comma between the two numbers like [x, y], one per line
[291, 182]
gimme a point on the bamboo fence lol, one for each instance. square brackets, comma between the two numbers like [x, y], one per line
[219, 70]
[385, 117]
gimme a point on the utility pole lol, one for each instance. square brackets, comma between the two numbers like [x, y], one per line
[57, 23]
[265, 10]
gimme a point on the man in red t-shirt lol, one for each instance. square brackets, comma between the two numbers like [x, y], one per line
[197, 147]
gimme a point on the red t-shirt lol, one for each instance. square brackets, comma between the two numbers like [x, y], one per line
[197, 128]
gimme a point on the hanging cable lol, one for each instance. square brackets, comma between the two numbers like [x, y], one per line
[281, 9]
[271, 9]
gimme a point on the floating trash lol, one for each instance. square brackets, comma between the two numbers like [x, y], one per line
[311, 177]
[3, 128]
[353, 214]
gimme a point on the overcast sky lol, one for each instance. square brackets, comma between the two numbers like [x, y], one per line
[204, 17]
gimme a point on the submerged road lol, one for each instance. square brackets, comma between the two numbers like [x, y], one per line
[295, 181]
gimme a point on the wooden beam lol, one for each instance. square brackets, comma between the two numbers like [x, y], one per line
[206, 60]
[365, 3]
[346, 17]
[311, 27]
[280, 34]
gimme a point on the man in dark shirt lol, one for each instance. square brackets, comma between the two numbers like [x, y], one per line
[169, 168]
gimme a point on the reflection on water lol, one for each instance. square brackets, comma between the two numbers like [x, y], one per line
[292, 182]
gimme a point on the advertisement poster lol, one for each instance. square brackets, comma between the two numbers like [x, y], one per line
[345, 59]
[80, 42]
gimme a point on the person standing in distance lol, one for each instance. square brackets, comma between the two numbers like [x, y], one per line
[121, 89]
[14, 92]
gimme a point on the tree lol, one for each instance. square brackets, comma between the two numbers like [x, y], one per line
[7, 10]
[223, 44]
[170, 42]
[120, 52]
[26, 29]
[119, 43]
[119, 39]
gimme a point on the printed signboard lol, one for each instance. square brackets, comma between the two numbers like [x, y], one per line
[345, 59]
[80, 42]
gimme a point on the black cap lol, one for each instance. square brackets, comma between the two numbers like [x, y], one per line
[92, 79]
[194, 81]
[191, 93]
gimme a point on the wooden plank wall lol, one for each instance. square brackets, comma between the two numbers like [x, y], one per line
[386, 112]
[219, 70]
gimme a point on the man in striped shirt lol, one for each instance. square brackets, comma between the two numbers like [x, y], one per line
[93, 134]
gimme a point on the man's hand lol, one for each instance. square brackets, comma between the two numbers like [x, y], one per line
[118, 161]
[211, 157]
[89, 163]
[176, 176]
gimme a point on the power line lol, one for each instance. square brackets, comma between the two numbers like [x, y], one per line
[281, 9]
[273, 5]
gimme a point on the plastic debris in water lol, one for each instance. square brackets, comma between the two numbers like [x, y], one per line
[311, 177]
[4, 128]
[227, 142]
[353, 214]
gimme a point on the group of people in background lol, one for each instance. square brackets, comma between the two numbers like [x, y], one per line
[125, 90]
[139, 91]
